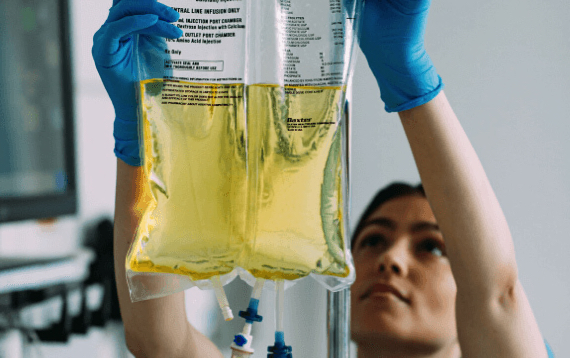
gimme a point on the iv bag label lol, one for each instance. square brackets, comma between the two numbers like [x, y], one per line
[189, 94]
[312, 40]
[213, 41]
[194, 65]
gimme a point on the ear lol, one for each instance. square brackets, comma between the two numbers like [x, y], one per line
[115, 2]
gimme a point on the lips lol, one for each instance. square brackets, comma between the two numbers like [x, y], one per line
[385, 288]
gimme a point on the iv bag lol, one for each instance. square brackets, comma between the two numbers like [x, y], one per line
[245, 145]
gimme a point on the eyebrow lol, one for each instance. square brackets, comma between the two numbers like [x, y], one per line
[391, 225]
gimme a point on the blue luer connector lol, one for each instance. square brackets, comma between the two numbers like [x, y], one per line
[250, 314]
[240, 340]
[279, 350]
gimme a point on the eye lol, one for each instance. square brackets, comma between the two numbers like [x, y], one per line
[373, 240]
[434, 247]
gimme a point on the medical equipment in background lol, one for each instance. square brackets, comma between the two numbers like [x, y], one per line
[53, 299]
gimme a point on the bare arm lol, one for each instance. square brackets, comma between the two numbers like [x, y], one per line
[494, 318]
[158, 327]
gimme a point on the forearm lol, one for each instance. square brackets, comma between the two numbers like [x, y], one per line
[477, 237]
[156, 327]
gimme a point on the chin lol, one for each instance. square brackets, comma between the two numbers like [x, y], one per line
[377, 340]
[392, 342]
[378, 326]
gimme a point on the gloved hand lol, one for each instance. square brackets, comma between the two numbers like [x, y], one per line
[113, 48]
[392, 39]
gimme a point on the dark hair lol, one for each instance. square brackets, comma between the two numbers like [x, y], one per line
[392, 191]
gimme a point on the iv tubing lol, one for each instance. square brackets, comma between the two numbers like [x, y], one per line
[279, 304]
[247, 328]
[279, 349]
[241, 347]
[222, 299]
[257, 288]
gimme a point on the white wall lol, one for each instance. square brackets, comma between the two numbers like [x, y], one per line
[505, 66]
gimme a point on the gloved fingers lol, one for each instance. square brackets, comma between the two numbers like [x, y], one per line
[126, 8]
[394, 22]
[107, 41]
[409, 7]
[127, 26]
[140, 24]
[162, 29]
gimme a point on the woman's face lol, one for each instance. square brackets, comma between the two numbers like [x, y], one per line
[404, 293]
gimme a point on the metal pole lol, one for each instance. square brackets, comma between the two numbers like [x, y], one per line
[338, 303]
[338, 324]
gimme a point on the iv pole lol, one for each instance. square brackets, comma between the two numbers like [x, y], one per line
[338, 324]
[338, 303]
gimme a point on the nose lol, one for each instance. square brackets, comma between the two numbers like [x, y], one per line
[394, 261]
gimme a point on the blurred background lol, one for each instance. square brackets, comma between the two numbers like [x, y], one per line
[505, 67]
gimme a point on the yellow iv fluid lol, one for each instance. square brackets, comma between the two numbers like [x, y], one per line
[261, 191]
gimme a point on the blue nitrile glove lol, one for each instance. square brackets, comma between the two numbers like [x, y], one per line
[113, 46]
[392, 39]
